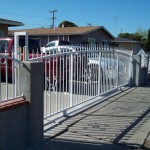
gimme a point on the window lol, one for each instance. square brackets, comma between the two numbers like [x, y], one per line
[1, 33]
[91, 40]
[105, 43]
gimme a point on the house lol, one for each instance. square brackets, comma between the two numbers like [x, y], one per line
[75, 35]
[4, 24]
[128, 44]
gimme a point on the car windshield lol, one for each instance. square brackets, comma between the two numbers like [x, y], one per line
[51, 44]
[3, 44]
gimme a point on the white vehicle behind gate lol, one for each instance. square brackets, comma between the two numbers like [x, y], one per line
[57, 46]
[106, 66]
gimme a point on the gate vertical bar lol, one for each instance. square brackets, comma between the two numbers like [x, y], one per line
[13, 77]
[6, 72]
[117, 79]
[71, 79]
[26, 48]
[99, 75]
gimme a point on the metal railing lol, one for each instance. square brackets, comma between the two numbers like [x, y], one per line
[75, 76]
[9, 76]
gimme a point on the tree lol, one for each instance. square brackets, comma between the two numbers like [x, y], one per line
[140, 35]
[124, 35]
[134, 36]
[142, 32]
[67, 24]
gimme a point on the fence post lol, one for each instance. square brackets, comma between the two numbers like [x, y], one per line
[140, 72]
[32, 83]
[130, 71]
[99, 76]
[147, 66]
[135, 81]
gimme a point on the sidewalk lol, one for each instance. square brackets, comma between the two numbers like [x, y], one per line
[121, 122]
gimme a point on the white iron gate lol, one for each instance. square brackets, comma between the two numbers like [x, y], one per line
[74, 77]
[11, 59]
[9, 77]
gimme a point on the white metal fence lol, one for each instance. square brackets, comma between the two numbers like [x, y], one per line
[76, 75]
[9, 76]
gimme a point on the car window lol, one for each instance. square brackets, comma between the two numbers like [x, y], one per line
[50, 44]
[3, 44]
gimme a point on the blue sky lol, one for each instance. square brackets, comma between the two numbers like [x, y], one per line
[130, 14]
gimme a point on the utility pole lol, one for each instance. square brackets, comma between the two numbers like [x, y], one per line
[53, 17]
[115, 18]
[89, 24]
[121, 31]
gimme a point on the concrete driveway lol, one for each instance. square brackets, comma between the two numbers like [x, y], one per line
[121, 122]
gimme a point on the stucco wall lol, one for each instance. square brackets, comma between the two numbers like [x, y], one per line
[21, 120]
[125, 45]
[43, 40]
[131, 46]
[13, 125]
[98, 35]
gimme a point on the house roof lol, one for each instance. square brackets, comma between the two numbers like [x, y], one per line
[10, 23]
[62, 31]
[125, 40]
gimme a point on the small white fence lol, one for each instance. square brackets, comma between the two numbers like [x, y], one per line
[9, 77]
[74, 76]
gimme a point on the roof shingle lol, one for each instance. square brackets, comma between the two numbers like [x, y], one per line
[58, 31]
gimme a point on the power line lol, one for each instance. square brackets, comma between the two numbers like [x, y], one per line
[21, 15]
[53, 17]
[32, 25]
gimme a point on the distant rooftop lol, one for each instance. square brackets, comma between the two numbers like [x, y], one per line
[125, 40]
[10, 23]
